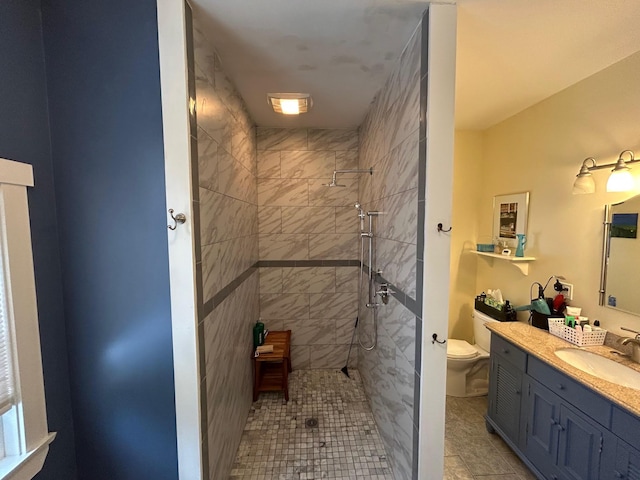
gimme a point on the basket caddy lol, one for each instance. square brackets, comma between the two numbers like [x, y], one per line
[577, 337]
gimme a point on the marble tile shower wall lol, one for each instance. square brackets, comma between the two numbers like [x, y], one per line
[389, 142]
[305, 224]
[228, 243]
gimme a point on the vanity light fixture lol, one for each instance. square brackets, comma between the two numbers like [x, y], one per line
[620, 179]
[290, 103]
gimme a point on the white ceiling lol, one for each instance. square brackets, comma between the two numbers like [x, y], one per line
[511, 53]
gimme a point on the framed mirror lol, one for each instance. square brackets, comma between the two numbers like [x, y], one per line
[621, 256]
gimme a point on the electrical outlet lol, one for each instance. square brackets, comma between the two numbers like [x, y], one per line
[567, 290]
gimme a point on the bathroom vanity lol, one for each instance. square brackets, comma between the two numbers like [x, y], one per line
[563, 423]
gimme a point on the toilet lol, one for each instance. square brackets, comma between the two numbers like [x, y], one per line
[468, 365]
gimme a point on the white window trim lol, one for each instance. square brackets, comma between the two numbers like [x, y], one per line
[35, 438]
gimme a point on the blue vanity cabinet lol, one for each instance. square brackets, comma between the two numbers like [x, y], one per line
[542, 413]
[627, 428]
[559, 427]
[505, 387]
[560, 441]
[627, 462]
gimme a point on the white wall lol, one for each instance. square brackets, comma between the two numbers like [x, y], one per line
[540, 150]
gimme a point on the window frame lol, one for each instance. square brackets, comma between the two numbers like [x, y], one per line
[29, 448]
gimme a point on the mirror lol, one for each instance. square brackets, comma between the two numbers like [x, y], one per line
[621, 257]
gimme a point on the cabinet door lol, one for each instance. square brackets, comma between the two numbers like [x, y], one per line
[580, 445]
[505, 385]
[543, 427]
[627, 462]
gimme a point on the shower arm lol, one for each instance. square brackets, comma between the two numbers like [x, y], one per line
[355, 170]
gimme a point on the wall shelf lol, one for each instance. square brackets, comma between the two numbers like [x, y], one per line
[521, 263]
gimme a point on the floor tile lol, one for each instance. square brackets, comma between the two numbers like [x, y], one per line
[278, 444]
[485, 456]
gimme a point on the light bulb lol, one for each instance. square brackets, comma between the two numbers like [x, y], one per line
[620, 180]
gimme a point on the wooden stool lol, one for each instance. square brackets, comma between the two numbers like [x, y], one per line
[271, 370]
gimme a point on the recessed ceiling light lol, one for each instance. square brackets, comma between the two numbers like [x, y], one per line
[290, 103]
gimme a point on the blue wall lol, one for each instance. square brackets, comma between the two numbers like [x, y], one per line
[106, 130]
[24, 136]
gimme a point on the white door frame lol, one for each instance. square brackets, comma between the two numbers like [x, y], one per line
[439, 191]
[184, 312]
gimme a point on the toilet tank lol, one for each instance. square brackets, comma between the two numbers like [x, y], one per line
[482, 334]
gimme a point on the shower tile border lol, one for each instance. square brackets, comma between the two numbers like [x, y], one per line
[308, 263]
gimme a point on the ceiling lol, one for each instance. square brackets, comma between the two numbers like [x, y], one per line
[511, 53]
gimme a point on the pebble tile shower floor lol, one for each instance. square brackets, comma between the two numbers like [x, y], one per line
[277, 445]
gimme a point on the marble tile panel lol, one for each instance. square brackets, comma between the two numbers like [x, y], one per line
[317, 332]
[203, 54]
[328, 356]
[269, 220]
[400, 324]
[283, 193]
[337, 246]
[284, 247]
[213, 117]
[207, 161]
[210, 275]
[333, 305]
[409, 65]
[241, 145]
[398, 262]
[344, 330]
[333, 139]
[308, 279]
[407, 111]
[403, 447]
[235, 180]
[270, 280]
[300, 357]
[347, 220]
[268, 164]
[223, 217]
[401, 219]
[404, 159]
[347, 160]
[387, 359]
[306, 164]
[322, 196]
[273, 323]
[284, 306]
[282, 138]
[308, 220]
[404, 382]
[347, 279]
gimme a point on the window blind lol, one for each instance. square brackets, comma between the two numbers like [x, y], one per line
[7, 387]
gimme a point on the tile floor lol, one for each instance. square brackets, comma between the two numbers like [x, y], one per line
[473, 453]
[276, 444]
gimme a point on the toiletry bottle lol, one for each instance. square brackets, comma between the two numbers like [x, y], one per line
[258, 334]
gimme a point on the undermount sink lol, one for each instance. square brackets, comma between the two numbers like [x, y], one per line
[601, 367]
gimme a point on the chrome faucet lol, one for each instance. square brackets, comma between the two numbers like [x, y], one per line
[635, 342]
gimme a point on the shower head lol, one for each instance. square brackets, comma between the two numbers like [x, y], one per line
[333, 184]
[358, 206]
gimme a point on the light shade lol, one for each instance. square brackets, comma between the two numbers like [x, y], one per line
[620, 180]
[584, 184]
[584, 180]
[290, 103]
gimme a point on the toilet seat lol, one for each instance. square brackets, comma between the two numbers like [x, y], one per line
[460, 349]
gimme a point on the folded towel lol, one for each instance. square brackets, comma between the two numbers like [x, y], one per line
[265, 349]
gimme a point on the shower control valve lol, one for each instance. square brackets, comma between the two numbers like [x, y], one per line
[384, 292]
